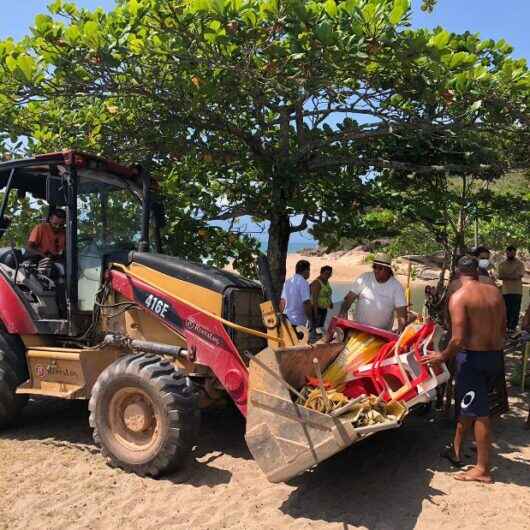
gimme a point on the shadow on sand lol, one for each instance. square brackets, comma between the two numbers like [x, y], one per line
[61, 423]
[383, 482]
[380, 483]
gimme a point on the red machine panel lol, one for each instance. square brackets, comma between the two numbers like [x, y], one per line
[205, 336]
[13, 313]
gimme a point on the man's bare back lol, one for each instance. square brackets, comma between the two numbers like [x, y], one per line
[479, 308]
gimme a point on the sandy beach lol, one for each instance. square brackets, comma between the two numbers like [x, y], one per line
[52, 476]
[346, 267]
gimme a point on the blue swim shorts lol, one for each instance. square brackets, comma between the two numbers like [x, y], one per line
[476, 373]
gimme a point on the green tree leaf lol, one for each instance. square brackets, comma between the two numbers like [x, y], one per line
[43, 22]
[324, 33]
[133, 7]
[27, 66]
[331, 8]
[440, 40]
[91, 30]
[55, 6]
[462, 58]
[11, 63]
[349, 6]
[400, 8]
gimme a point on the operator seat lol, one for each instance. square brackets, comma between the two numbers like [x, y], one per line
[11, 257]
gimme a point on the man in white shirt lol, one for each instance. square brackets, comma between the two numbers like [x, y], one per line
[296, 299]
[378, 296]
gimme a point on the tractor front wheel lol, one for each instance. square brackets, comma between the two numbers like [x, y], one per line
[145, 415]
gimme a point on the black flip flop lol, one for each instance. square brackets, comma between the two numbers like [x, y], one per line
[449, 454]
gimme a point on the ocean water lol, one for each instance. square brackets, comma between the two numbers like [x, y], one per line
[297, 246]
[294, 246]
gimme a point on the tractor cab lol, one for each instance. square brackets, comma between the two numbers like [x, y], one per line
[107, 215]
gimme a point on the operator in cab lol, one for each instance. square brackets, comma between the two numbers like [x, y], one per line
[46, 243]
[47, 240]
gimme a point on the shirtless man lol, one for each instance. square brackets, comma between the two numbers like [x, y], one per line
[478, 328]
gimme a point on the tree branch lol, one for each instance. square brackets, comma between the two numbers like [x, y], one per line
[300, 227]
[381, 163]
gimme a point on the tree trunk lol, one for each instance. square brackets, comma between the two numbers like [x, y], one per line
[462, 220]
[279, 234]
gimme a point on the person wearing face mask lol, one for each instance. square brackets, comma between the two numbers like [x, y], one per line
[511, 272]
[484, 265]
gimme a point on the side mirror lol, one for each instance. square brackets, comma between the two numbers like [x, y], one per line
[56, 191]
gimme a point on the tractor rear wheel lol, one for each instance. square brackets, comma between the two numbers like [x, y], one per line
[145, 415]
[13, 372]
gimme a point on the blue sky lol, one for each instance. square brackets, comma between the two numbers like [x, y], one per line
[492, 19]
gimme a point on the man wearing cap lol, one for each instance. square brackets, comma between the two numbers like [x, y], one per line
[478, 327]
[379, 296]
[511, 272]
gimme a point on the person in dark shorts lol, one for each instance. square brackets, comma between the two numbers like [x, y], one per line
[478, 330]
[511, 272]
[476, 372]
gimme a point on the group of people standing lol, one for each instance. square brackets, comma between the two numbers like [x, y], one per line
[305, 303]
[479, 317]
[380, 297]
[510, 272]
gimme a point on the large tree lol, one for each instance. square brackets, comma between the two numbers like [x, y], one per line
[273, 109]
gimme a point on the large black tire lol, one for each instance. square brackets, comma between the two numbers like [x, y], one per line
[13, 351]
[13, 372]
[145, 415]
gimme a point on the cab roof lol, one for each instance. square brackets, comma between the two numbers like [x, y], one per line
[31, 173]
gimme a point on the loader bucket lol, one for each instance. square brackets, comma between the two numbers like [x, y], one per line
[284, 438]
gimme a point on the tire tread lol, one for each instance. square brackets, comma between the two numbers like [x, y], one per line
[13, 372]
[179, 398]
